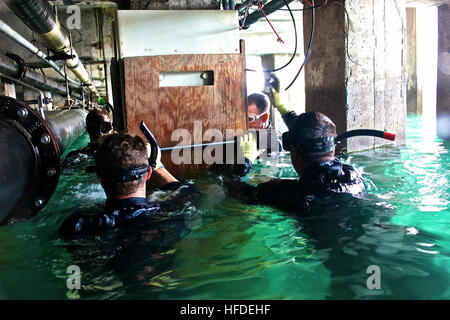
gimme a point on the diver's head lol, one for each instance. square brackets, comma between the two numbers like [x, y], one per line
[258, 111]
[122, 165]
[98, 123]
[311, 138]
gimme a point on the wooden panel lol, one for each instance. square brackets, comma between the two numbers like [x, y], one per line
[165, 109]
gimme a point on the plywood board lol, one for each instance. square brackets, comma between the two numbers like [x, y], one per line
[165, 109]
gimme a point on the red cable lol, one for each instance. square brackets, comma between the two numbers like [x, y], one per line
[324, 3]
[259, 4]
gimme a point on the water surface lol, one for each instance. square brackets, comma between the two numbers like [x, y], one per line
[230, 250]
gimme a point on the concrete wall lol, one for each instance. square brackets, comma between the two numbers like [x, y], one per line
[364, 86]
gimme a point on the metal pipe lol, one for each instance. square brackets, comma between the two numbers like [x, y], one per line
[226, 4]
[13, 35]
[31, 148]
[66, 126]
[16, 167]
[39, 16]
[269, 8]
[10, 68]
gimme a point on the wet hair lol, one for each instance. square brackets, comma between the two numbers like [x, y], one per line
[313, 133]
[94, 119]
[119, 152]
[261, 101]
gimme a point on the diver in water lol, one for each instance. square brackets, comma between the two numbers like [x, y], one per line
[122, 167]
[311, 141]
[98, 123]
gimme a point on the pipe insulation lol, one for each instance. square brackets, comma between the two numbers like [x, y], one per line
[39, 16]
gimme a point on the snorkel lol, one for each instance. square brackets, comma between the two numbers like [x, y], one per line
[153, 144]
[365, 132]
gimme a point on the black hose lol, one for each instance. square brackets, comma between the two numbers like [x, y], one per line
[153, 144]
[309, 47]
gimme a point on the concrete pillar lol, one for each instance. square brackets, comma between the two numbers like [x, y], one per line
[443, 91]
[359, 83]
[7, 89]
[411, 62]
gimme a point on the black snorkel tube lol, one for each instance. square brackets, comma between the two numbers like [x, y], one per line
[131, 174]
[365, 132]
[153, 144]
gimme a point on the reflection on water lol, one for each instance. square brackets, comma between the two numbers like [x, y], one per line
[225, 249]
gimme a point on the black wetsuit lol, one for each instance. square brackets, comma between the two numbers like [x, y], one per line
[320, 180]
[134, 212]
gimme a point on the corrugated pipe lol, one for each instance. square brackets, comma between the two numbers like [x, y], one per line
[39, 16]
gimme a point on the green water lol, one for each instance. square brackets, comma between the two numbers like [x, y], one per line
[236, 251]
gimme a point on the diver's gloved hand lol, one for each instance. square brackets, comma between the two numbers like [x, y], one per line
[247, 145]
[159, 164]
[273, 83]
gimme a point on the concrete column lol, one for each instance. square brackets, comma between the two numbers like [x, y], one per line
[411, 62]
[443, 91]
[359, 83]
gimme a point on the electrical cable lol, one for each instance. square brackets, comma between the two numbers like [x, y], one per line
[146, 5]
[241, 26]
[295, 47]
[309, 47]
[348, 31]
[264, 14]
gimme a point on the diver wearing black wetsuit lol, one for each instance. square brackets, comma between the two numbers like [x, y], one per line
[137, 211]
[122, 167]
[320, 180]
[98, 123]
[311, 141]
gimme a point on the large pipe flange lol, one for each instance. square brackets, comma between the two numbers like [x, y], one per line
[29, 161]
